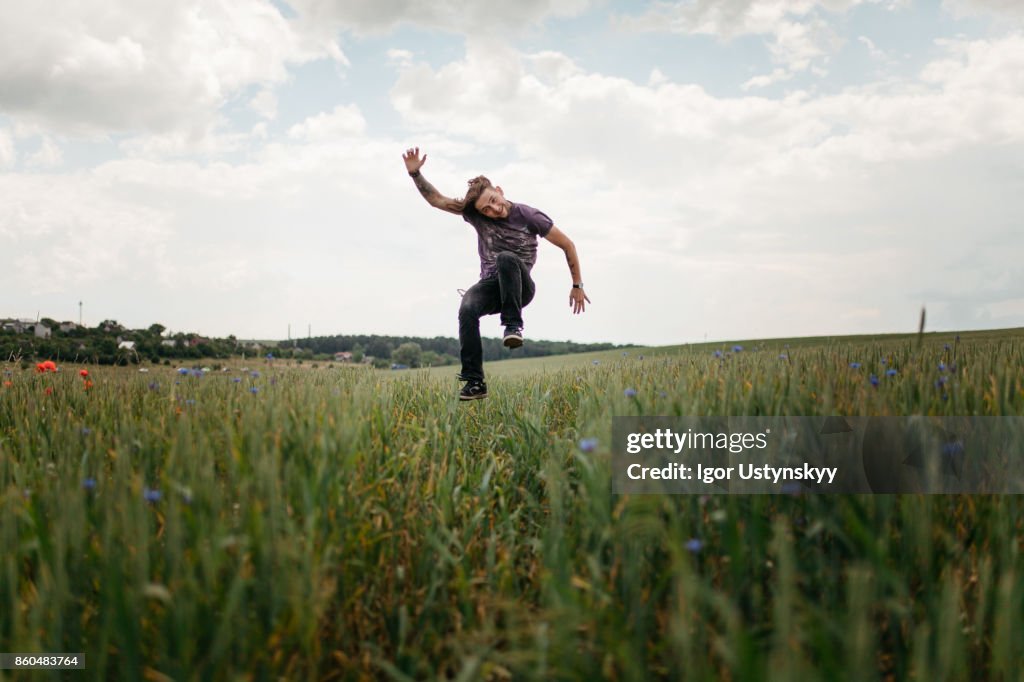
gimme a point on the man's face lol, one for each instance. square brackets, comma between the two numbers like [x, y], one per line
[492, 203]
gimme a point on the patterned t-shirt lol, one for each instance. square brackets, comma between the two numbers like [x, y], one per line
[517, 233]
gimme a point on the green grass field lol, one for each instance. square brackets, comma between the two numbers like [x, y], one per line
[345, 524]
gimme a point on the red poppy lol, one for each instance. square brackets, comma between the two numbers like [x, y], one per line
[8, 384]
[47, 366]
[49, 390]
[88, 384]
[83, 373]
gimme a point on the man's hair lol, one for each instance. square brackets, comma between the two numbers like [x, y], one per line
[476, 187]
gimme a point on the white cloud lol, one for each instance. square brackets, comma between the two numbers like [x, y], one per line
[7, 153]
[776, 76]
[343, 121]
[873, 49]
[471, 17]
[1001, 9]
[265, 104]
[47, 156]
[90, 67]
[400, 57]
[67, 230]
[798, 32]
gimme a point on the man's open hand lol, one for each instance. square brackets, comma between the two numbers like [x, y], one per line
[576, 301]
[412, 159]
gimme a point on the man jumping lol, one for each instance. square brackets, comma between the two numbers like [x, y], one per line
[507, 243]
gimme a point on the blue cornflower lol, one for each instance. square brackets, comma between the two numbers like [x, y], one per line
[737, 349]
[694, 545]
[954, 448]
[630, 392]
[254, 374]
[783, 356]
[151, 495]
[588, 444]
[884, 361]
[236, 380]
[597, 362]
[873, 379]
[663, 394]
[625, 354]
[254, 389]
[940, 382]
[854, 365]
[270, 356]
[717, 353]
[942, 367]
[945, 347]
[641, 357]
[183, 370]
[89, 483]
[153, 385]
[891, 372]
[85, 430]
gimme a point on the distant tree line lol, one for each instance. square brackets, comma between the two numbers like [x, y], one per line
[439, 350]
[105, 344]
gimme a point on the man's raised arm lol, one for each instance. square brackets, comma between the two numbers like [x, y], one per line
[413, 163]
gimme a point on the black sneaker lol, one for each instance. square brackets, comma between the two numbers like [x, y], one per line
[513, 337]
[473, 390]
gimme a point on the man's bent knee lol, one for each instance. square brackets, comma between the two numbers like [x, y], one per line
[469, 311]
[506, 258]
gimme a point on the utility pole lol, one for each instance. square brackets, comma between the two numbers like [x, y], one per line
[79, 313]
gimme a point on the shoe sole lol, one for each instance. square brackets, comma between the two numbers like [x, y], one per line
[513, 342]
[472, 397]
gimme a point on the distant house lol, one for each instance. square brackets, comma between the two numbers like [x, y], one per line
[19, 326]
[68, 327]
[169, 343]
[198, 340]
[343, 356]
[41, 330]
[398, 365]
[126, 345]
[111, 326]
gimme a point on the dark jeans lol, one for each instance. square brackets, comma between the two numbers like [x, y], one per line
[507, 292]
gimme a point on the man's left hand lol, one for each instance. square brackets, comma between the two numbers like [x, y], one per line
[576, 300]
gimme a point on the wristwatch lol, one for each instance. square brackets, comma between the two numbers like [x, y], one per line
[578, 286]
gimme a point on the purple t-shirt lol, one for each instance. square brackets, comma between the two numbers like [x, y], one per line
[518, 233]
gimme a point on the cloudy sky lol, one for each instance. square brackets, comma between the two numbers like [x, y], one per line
[727, 169]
